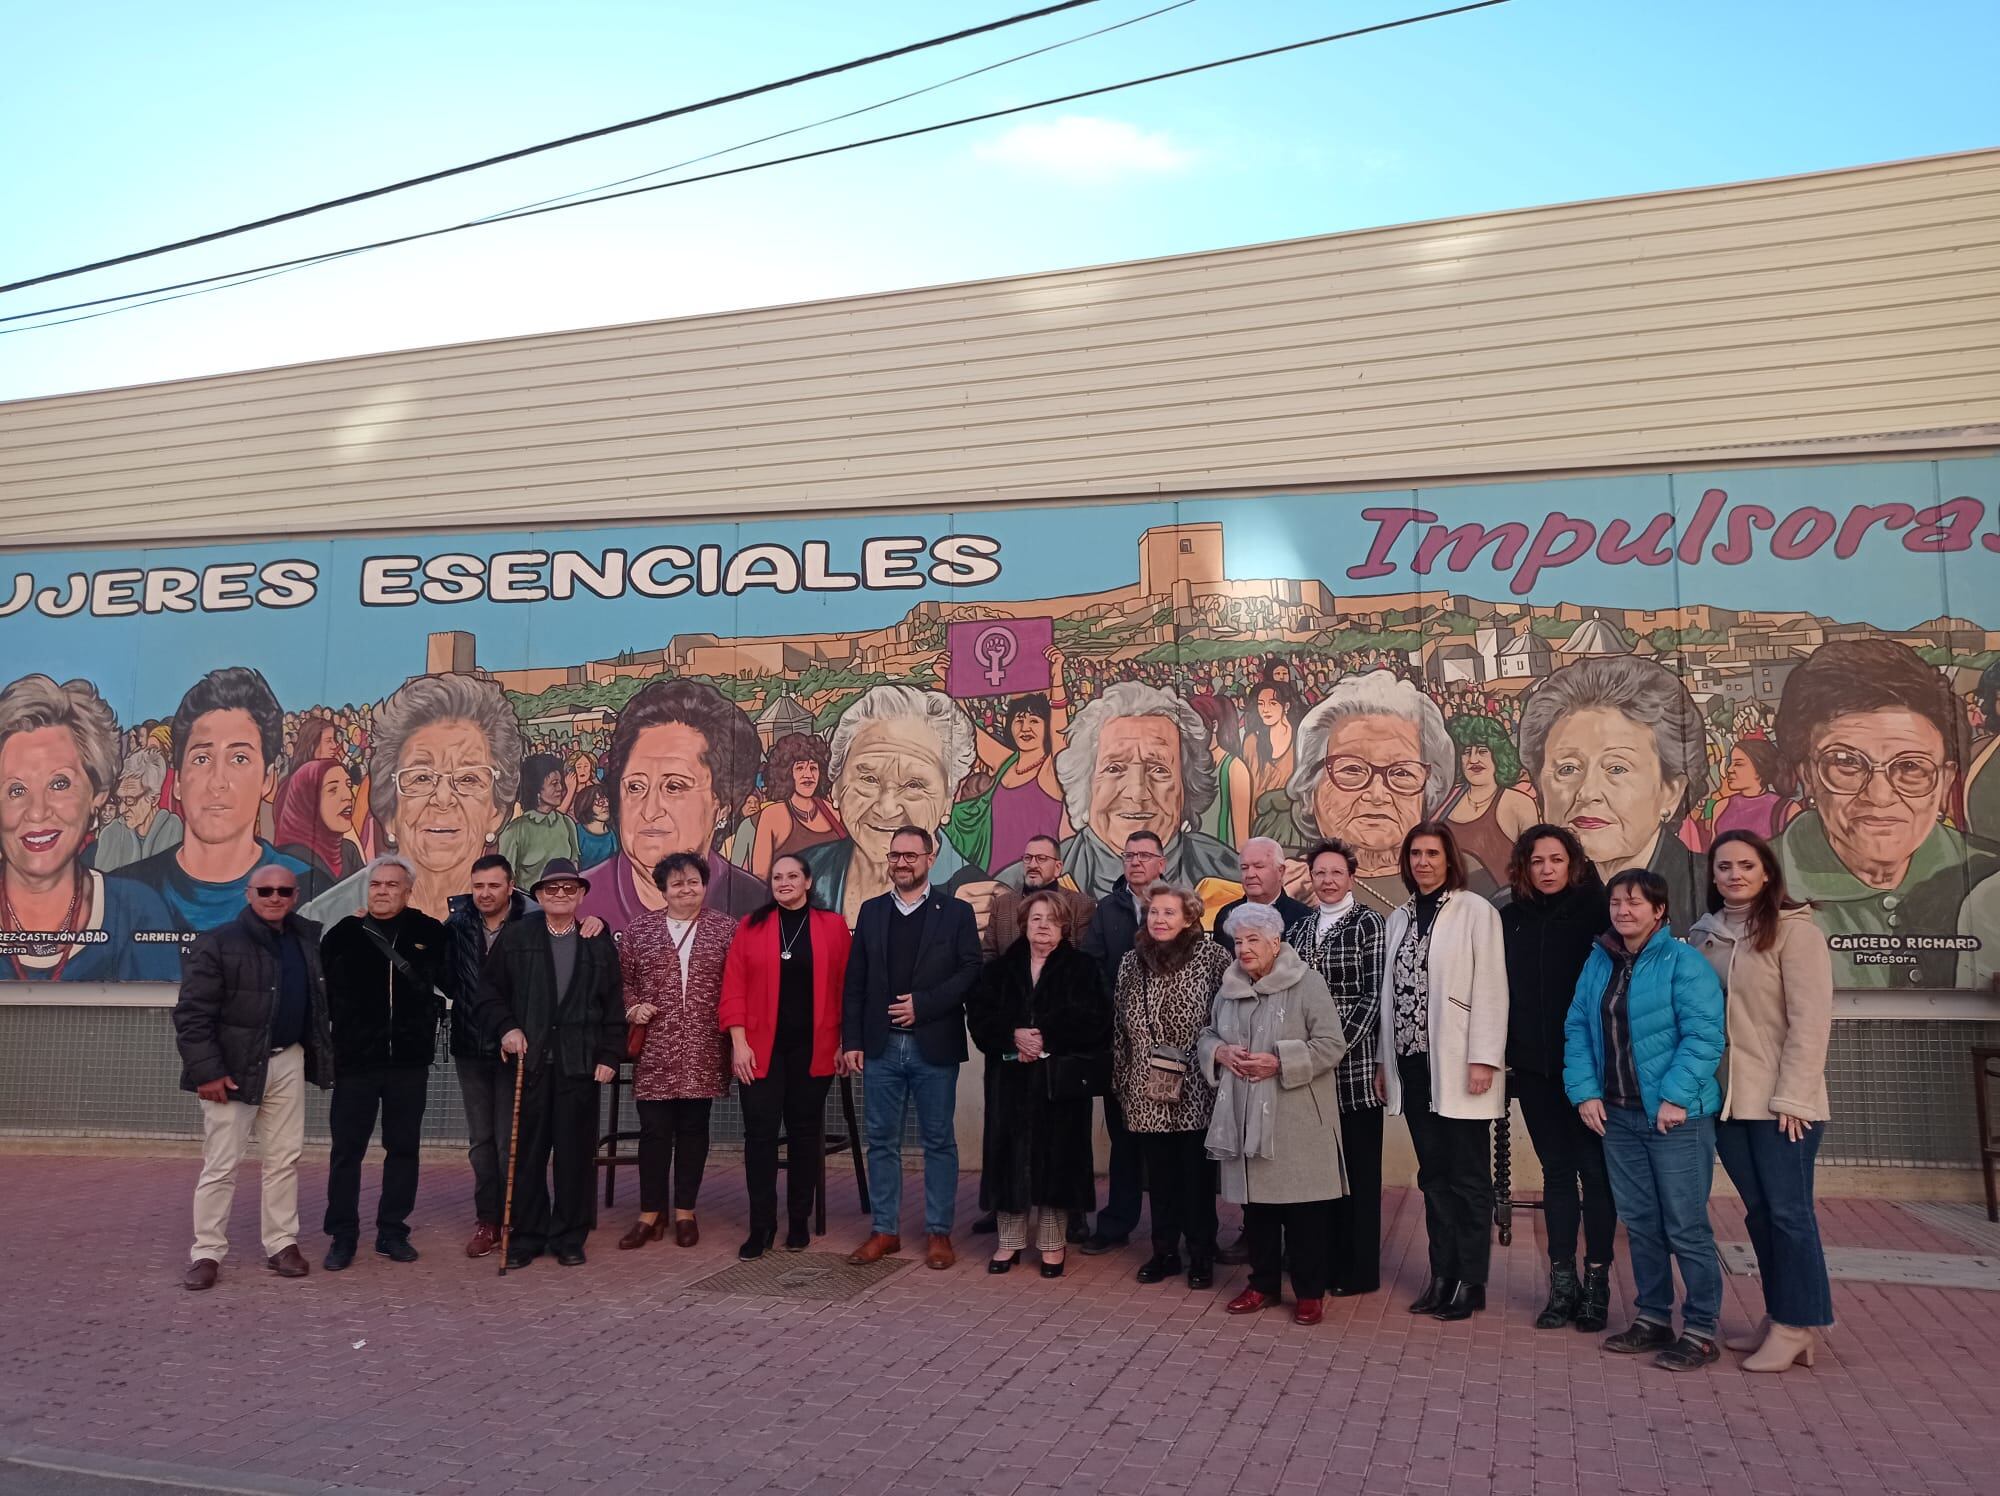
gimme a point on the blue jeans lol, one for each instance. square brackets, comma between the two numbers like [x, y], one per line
[1660, 1182]
[891, 1082]
[1774, 1176]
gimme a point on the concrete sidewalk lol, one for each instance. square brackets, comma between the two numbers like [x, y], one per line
[624, 1376]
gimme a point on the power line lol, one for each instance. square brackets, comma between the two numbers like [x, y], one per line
[550, 145]
[232, 279]
[260, 271]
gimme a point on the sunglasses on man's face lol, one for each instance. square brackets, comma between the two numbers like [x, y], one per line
[275, 891]
[563, 890]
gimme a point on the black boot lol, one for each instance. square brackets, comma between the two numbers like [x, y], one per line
[1160, 1267]
[1594, 1311]
[1466, 1300]
[1565, 1295]
[1201, 1268]
[1433, 1297]
[757, 1243]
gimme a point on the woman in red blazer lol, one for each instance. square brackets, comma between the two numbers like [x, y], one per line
[781, 989]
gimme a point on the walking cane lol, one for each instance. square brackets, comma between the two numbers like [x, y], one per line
[513, 1161]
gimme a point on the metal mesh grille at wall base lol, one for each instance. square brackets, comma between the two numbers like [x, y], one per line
[1901, 1091]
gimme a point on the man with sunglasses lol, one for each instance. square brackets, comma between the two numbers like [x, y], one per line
[385, 970]
[253, 1031]
[554, 996]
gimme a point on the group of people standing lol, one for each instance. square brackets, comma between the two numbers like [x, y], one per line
[1254, 1064]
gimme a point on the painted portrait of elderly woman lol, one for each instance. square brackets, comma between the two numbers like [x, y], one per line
[59, 920]
[446, 763]
[682, 759]
[1617, 752]
[898, 755]
[1875, 738]
[1373, 760]
[1137, 760]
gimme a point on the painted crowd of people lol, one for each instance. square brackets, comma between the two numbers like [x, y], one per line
[1250, 1063]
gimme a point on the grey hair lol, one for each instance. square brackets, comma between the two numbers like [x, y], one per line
[1130, 698]
[35, 701]
[1269, 843]
[443, 698]
[393, 859]
[148, 766]
[1263, 917]
[1642, 690]
[1379, 693]
[944, 718]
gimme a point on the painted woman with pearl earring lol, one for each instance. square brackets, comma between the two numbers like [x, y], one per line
[781, 1007]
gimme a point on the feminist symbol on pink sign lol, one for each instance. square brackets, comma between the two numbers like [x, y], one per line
[995, 649]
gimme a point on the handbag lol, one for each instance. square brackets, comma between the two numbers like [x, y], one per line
[1077, 1077]
[1165, 1076]
[635, 1040]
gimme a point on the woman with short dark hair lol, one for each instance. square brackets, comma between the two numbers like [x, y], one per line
[672, 962]
[1550, 927]
[1440, 1050]
[1774, 962]
[781, 1006]
[1641, 1043]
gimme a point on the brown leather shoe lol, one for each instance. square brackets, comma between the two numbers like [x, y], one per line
[290, 1263]
[641, 1233]
[876, 1248]
[200, 1275]
[937, 1251]
[485, 1238]
[686, 1233]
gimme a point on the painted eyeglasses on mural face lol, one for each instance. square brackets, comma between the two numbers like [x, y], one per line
[467, 782]
[1346, 772]
[1847, 771]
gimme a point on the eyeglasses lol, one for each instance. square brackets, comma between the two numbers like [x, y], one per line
[907, 856]
[1146, 856]
[275, 891]
[561, 890]
[467, 783]
[1847, 771]
[1349, 773]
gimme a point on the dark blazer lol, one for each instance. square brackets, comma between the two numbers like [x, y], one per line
[578, 1029]
[381, 1018]
[947, 962]
[1112, 932]
[229, 996]
[1289, 909]
[468, 955]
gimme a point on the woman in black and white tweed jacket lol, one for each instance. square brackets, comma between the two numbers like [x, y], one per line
[1166, 989]
[1342, 941]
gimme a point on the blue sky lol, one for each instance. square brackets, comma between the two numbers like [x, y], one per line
[136, 123]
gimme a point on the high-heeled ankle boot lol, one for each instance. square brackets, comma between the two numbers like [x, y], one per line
[1565, 1295]
[1593, 1313]
[1784, 1345]
[1438, 1291]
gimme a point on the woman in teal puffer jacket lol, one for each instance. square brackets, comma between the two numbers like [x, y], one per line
[1641, 1046]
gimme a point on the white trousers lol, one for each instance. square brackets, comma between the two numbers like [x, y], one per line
[279, 1125]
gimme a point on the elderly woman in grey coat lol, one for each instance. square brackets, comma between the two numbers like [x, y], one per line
[1270, 1050]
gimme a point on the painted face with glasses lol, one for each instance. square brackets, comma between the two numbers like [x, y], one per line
[1879, 781]
[1371, 787]
[445, 810]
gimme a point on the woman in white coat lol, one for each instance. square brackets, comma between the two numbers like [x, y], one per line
[1442, 1052]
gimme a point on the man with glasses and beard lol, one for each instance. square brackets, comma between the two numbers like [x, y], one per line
[253, 1032]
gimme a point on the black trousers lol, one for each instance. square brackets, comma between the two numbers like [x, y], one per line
[1575, 1187]
[792, 1095]
[559, 1115]
[1354, 1228]
[1288, 1237]
[357, 1096]
[1180, 1184]
[1455, 1172]
[1125, 1190]
[673, 1138]
[488, 1089]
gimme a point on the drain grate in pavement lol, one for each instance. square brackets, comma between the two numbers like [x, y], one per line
[1967, 1222]
[820, 1276]
[1869, 1265]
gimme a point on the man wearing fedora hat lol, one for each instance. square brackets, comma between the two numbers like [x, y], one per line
[552, 995]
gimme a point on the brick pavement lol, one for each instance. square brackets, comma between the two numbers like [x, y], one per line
[616, 1378]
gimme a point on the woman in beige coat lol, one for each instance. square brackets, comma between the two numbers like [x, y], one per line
[1439, 1061]
[1773, 960]
[1270, 1050]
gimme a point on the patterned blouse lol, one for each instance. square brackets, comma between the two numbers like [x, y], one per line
[1411, 984]
[1348, 956]
[686, 1054]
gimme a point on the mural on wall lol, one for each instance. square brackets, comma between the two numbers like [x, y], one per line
[1809, 653]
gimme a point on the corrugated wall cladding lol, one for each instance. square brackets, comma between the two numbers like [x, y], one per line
[1829, 308]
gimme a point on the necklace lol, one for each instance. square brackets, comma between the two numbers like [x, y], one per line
[12, 923]
[793, 938]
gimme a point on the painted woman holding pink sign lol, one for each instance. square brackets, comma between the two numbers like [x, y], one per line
[1025, 800]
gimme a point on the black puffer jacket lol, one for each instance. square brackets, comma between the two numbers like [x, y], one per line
[468, 957]
[1548, 939]
[229, 995]
[381, 1018]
